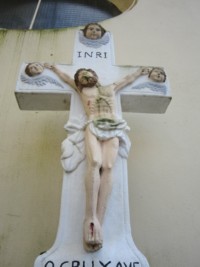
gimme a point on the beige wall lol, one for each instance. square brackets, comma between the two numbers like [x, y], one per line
[164, 162]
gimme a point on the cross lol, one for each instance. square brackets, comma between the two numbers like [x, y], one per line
[97, 131]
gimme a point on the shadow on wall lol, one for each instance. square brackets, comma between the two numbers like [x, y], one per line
[57, 14]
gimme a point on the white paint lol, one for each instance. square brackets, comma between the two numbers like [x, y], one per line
[118, 245]
[53, 97]
[118, 249]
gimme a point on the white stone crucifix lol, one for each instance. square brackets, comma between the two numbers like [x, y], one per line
[94, 205]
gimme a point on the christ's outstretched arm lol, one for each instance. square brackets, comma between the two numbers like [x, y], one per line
[62, 75]
[130, 78]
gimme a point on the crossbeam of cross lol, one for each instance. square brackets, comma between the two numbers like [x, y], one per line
[47, 92]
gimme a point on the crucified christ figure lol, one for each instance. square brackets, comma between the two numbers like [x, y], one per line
[101, 142]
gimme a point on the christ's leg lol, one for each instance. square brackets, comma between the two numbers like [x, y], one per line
[109, 154]
[92, 228]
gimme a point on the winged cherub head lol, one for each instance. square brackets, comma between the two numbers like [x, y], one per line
[93, 31]
[34, 69]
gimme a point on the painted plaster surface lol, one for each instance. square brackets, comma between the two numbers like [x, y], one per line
[116, 246]
[163, 162]
[143, 95]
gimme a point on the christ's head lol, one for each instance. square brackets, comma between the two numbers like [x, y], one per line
[85, 78]
[93, 31]
[157, 75]
[34, 69]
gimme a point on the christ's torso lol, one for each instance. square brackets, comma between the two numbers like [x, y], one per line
[99, 102]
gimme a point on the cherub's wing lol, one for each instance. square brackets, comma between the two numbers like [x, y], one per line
[40, 80]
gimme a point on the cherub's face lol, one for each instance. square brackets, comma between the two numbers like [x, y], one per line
[157, 75]
[35, 68]
[93, 32]
[87, 78]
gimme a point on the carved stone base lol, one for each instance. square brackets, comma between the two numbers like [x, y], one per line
[118, 249]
